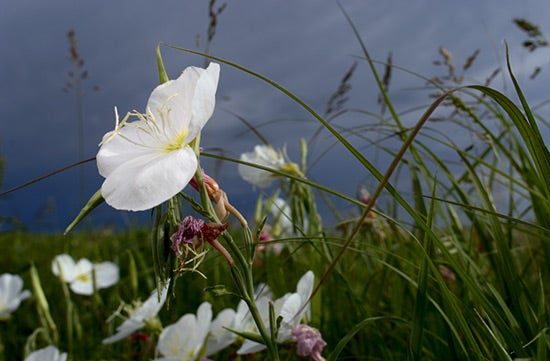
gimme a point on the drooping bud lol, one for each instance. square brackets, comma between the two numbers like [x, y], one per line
[309, 342]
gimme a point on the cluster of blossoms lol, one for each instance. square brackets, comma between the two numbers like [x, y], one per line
[83, 276]
[194, 337]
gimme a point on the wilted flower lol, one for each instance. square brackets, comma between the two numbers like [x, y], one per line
[191, 227]
[309, 342]
[80, 274]
[185, 235]
[263, 155]
[140, 317]
[148, 161]
[11, 294]
[49, 353]
[292, 307]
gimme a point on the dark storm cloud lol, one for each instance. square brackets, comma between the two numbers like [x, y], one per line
[304, 45]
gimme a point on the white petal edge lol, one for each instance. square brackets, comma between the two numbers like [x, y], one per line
[149, 180]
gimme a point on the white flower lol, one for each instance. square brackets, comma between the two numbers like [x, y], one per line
[291, 307]
[193, 336]
[280, 211]
[79, 275]
[11, 294]
[148, 161]
[263, 155]
[49, 353]
[140, 317]
[184, 339]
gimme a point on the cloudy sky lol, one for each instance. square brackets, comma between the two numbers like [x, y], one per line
[306, 46]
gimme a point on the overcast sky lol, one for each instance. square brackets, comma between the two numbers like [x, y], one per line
[304, 45]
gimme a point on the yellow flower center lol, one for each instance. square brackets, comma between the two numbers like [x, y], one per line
[84, 277]
[176, 143]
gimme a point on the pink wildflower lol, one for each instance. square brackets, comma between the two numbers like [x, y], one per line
[309, 342]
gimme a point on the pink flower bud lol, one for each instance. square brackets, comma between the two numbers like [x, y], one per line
[309, 342]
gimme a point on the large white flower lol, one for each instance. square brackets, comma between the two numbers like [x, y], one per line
[148, 161]
[79, 274]
[263, 155]
[11, 294]
[141, 316]
[49, 353]
[291, 307]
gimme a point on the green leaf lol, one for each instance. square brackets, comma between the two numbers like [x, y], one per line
[93, 202]
[163, 77]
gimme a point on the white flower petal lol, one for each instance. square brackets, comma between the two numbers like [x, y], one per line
[249, 346]
[148, 310]
[184, 339]
[128, 327]
[83, 267]
[290, 314]
[64, 267]
[49, 353]
[119, 150]
[186, 102]
[219, 337]
[263, 155]
[106, 274]
[149, 180]
[11, 294]
[204, 99]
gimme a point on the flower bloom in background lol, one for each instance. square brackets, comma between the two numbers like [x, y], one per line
[144, 315]
[292, 307]
[11, 294]
[281, 213]
[364, 196]
[281, 226]
[185, 340]
[49, 353]
[263, 155]
[79, 275]
[309, 342]
[148, 161]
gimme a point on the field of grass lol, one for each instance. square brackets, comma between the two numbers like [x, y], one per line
[453, 265]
